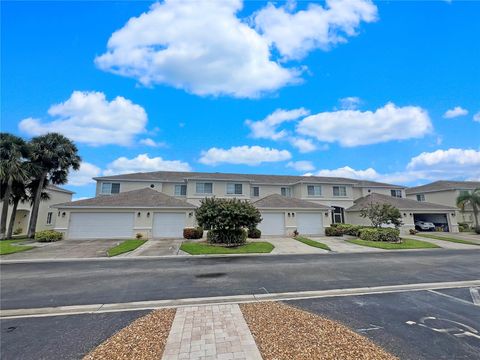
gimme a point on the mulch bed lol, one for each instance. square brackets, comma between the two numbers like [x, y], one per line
[143, 339]
[285, 332]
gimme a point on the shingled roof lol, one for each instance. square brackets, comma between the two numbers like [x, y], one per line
[443, 185]
[276, 201]
[142, 198]
[399, 203]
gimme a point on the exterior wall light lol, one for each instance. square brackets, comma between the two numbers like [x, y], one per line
[190, 214]
[148, 214]
[63, 214]
[138, 214]
[293, 214]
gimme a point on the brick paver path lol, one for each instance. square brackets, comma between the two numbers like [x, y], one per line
[210, 332]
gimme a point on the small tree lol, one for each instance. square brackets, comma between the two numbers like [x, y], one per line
[226, 219]
[380, 214]
[472, 199]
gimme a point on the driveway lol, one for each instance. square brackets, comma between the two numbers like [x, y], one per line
[338, 244]
[159, 247]
[286, 245]
[65, 249]
[462, 236]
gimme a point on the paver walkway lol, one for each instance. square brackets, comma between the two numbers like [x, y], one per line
[341, 246]
[210, 332]
[159, 247]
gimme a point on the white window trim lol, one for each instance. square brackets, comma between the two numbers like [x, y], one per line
[203, 193]
[288, 191]
[252, 191]
[108, 193]
[396, 191]
[234, 186]
[314, 186]
[49, 217]
[175, 190]
[339, 186]
[420, 197]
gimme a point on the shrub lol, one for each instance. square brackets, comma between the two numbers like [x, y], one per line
[295, 233]
[333, 231]
[477, 230]
[193, 233]
[463, 227]
[138, 236]
[380, 214]
[227, 237]
[412, 231]
[349, 229]
[380, 234]
[254, 233]
[48, 236]
[18, 231]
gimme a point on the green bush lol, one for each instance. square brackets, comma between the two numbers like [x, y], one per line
[48, 236]
[333, 231]
[18, 231]
[254, 233]
[227, 237]
[380, 234]
[413, 231]
[462, 227]
[349, 229]
[193, 233]
[138, 236]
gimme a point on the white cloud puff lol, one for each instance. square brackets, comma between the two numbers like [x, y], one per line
[152, 143]
[303, 145]
[455, 112]
[267, 128]
[302, 165]
[246, 155]
[144, 163]
[84, 175]
[353, 127]
[476, 117]
[350, 103]
[89, 118]
[348, 172]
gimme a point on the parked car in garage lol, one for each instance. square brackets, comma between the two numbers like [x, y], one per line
[424, 226]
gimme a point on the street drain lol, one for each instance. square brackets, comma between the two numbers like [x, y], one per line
[210, 275]
[11, 328]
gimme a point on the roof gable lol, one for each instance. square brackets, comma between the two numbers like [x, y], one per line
[277, 201]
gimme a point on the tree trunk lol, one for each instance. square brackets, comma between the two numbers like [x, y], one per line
[35, 207]
[3, 220]
[475, 215]
[12, 218]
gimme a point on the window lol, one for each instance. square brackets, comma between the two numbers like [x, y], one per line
[396, 193]
[339, 191]
[180, 190]
[49, 218]
[420, 197]
[255, 191]
[204, 188]
[286, 191]
[110, 188]
[234, 189]
[314, 190]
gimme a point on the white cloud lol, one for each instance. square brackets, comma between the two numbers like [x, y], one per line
[476, 117]
[246, 155]
[354, 127]
[348, 172]
[350, 103]
[302, 165]
[267, 128]
[84, 175]
[455, 112]
[295, 34]
[303, 145]
[88, 117]
[144, 163]
[199, 46]
[80, 198]
[152, 143]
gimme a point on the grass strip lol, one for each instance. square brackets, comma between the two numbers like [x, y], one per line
[126, 246]
[405, 244]
[311, 242]
[8, 247]
[200, 248]
[446, 238]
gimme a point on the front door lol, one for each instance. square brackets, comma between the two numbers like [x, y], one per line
[338, 216]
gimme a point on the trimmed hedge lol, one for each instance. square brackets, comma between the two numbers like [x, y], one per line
[48, 236]
[254, 233]
[193, 233]
[333, 231]
[380, 234]
[349, 229]
[227, 237]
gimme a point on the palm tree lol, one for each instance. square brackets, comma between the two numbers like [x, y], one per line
[13, 151]
[472, 199]
[52, 156]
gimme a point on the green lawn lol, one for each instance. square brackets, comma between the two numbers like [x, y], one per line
[126, 246]
[406, 244]
[8, 247]
[201, 248]
[445, 238]
[311, 242]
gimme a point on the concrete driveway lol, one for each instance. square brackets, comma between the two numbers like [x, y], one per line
[286, 245]
[65, 249]
[157, 247]
[338, 244]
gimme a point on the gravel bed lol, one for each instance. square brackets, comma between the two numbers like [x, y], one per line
[285, 332]
[143, 339]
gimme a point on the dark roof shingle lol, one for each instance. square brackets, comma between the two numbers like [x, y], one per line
[443, 185]
[277, 201]
[399, 203]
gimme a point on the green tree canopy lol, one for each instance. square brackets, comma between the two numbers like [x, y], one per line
[380, 214]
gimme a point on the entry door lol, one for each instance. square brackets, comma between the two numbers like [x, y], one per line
[310, 223]
[338, 216]
[101, 225]
[272, 224]
[168, 225]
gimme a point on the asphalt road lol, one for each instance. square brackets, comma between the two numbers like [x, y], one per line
[45, 284]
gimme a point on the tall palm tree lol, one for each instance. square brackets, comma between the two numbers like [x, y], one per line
[13, 151]
[472, 199]
[52, 155]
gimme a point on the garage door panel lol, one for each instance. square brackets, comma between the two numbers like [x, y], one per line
[168, 225]
[101, 225]
[310, 223]
[272, 224]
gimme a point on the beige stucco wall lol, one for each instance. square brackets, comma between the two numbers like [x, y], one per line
[130, 185]
[291, 221]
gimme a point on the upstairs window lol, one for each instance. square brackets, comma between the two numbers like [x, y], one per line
[110, 188]
[234, 189]
[255, 191]
[204, 188]
[180, 190]
[49, 218]
[339, 191]
[420, 197]
[396, 193]
[314, 190]
[286, 191]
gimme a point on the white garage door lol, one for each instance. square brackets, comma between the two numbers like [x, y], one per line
[101, 225]
[310, 223]
[168, 225]
[272, 224]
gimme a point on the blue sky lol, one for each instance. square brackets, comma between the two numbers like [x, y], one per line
[388, 91]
